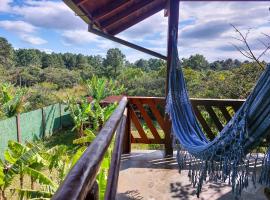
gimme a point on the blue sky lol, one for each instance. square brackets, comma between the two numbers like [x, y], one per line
[49, 25]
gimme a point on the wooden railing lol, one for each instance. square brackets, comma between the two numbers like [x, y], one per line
[136, 120]
[80, 183]
[148, 112]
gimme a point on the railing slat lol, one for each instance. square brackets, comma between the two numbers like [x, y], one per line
[225, 113]
[147, 119]
[204, 124]
[111, 187]
[138, 125]
[214, 117]
[157, 115]
[80, 179]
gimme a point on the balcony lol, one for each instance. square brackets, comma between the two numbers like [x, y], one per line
[147, 174]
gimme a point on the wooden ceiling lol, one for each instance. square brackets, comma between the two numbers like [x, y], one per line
[115, 16]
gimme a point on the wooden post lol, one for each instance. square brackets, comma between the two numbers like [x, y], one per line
[93, 193]
[60, 117]
[173, 13]
[127, 137]
[18, 124]
[43, 122]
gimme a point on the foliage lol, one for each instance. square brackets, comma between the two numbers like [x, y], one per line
[12, 103]
[100, 88]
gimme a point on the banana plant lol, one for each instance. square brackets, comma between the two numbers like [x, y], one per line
[80, 114]
[12, 102]
[99, 88]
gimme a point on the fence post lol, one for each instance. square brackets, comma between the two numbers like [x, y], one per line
[18, 125]
[60, 117]
[43, 122]
[127, 137]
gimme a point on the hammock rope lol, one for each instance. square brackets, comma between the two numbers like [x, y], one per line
[225, 158]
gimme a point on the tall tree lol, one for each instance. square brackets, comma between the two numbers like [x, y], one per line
[6, 53]
[28, 58]
[69, 60]
[81, 61]
[197, 62]
[114, 61]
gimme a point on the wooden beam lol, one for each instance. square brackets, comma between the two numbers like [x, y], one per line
[132, 7]
[112, 182]
[82, 176]
[173, 12]
[126, 43]
[123, 26]
[108, 9]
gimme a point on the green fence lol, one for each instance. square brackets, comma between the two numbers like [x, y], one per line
[32, 125]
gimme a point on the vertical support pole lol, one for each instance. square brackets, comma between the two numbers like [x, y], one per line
[173, 13]
[18, 125]
[94, 192]
[60, 116]
[127, 137]
[43, 123]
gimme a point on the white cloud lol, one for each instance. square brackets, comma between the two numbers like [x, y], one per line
[24, 30]
[4, 5]
[34, 40]
[78, 37]
[17, 26]
[49, 14]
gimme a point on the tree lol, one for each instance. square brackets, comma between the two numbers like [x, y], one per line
[6, 53]
[81, 61]
[52, 60]
[142, 64]
[69, 60]
[113, 62]
[28, 58]
[197, 62]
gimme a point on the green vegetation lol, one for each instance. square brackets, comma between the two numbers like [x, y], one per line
[31, 79]
[46, 163]
[50, 78]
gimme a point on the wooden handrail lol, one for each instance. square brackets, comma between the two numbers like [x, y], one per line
[82, 176]
[112, 181]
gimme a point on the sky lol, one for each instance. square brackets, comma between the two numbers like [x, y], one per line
[204, 28]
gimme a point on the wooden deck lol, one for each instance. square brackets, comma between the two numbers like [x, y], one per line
[148, 175]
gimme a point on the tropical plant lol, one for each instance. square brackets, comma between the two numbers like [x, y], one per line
[80, 113]
[12, 102]
[100, 88]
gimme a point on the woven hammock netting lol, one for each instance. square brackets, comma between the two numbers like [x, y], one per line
[230, 156]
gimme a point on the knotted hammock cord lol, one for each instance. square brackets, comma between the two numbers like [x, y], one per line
[227, 157]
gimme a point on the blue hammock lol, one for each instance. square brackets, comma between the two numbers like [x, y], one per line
[224, 158]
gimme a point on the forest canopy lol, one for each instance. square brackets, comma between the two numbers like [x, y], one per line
[50, 77]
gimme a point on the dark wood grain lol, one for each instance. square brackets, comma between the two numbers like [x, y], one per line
[80, 179]
[112, 181]
[214, 117]
[147, 119]
[138, 125]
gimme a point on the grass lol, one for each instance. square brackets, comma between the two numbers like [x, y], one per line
[63, 137]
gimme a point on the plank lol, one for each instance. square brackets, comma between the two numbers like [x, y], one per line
[204, 124]
[157, 115]
[82, 176]
[137, 124]
[225, 113]
[129, 10]
[135, 18]
[214, 117]
[147, 119]
[149, 141]
[111, 188]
